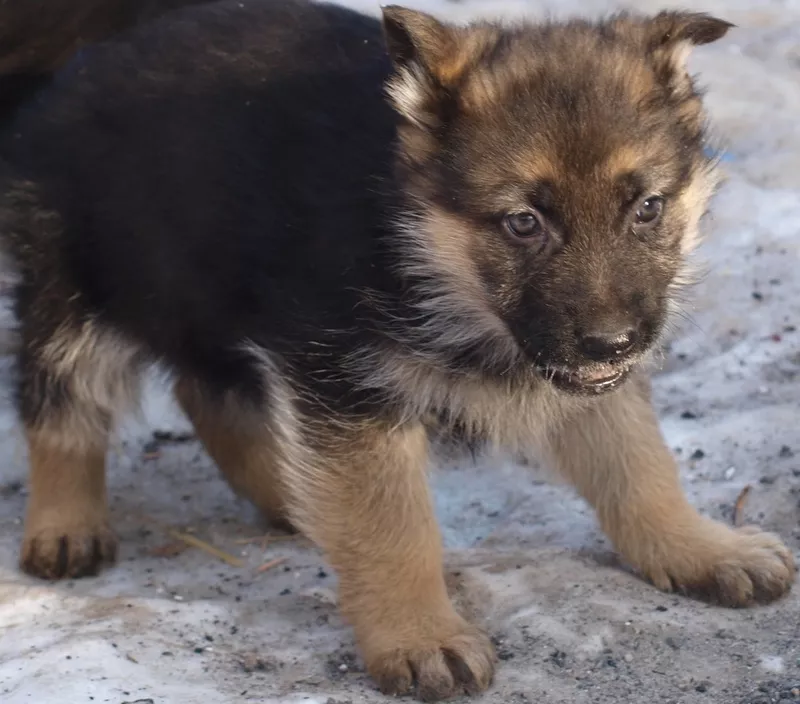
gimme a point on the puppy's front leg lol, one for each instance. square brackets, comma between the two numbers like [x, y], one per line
[613, 452]
[363, 496]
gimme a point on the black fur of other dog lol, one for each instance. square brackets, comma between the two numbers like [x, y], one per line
[328, 244]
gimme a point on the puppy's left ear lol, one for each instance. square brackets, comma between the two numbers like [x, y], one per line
[694, 28]
[670, 36]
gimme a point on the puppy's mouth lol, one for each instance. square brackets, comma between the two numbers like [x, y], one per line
[592, 379]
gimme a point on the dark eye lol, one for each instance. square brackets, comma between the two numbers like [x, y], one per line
[649, 212]
[523, 225]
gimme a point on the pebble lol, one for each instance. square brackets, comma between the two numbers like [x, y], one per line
[628, 657]
[730, 472]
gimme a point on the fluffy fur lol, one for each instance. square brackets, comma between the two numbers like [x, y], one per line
[341, 234]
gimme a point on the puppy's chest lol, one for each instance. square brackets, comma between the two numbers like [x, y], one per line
[514, 413]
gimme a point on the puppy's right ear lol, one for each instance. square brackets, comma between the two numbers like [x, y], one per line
[426, 56]
[415, 37]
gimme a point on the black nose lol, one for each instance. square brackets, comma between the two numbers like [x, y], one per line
[606, 346]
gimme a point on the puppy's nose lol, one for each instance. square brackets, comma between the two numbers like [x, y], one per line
[608, 345]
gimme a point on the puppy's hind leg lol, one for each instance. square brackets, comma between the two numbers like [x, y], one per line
[238, 439]
[614, 453]
[71, 382]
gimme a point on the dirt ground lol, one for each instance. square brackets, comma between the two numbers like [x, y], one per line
[173, 626]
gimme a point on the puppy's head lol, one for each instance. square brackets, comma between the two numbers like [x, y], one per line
[555, 177]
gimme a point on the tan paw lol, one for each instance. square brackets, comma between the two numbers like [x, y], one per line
[745, 566]
[69, 552]
[461, 660]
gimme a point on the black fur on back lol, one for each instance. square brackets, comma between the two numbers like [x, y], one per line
[223, 191]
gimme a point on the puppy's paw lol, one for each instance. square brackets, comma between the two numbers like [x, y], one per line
[69, 551]
[740, 568]
[459, 659]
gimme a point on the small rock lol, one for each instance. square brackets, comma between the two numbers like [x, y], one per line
[672, 643]
[628, 657]
[786, 451]
[689, 415]
[729, 473]
[559, 657]
[151, 450]
[767, 480]
[698, 454]
[703, 687]
[10, 489]
[340, 666]
[253, 663]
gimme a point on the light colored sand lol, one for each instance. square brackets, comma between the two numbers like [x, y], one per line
[573, 626]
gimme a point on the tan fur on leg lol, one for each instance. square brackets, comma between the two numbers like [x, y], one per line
[67, 531]
[368, 505]
[615, 455]
[239, 442]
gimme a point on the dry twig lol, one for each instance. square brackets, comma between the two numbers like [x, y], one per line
[272, 563]
[210, 549]
[738, 507]
[196, 543]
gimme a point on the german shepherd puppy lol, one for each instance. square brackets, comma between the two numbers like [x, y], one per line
[332, 229]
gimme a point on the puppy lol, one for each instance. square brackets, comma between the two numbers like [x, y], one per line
[332, 229]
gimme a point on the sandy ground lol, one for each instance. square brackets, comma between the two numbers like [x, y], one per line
[526, 557]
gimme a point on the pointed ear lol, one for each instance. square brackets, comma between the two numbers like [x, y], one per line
[417, 38]
[693, 28]
[671, 36]
[428, 58]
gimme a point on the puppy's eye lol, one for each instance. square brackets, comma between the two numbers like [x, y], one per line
[649, 212]
[524, 225]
